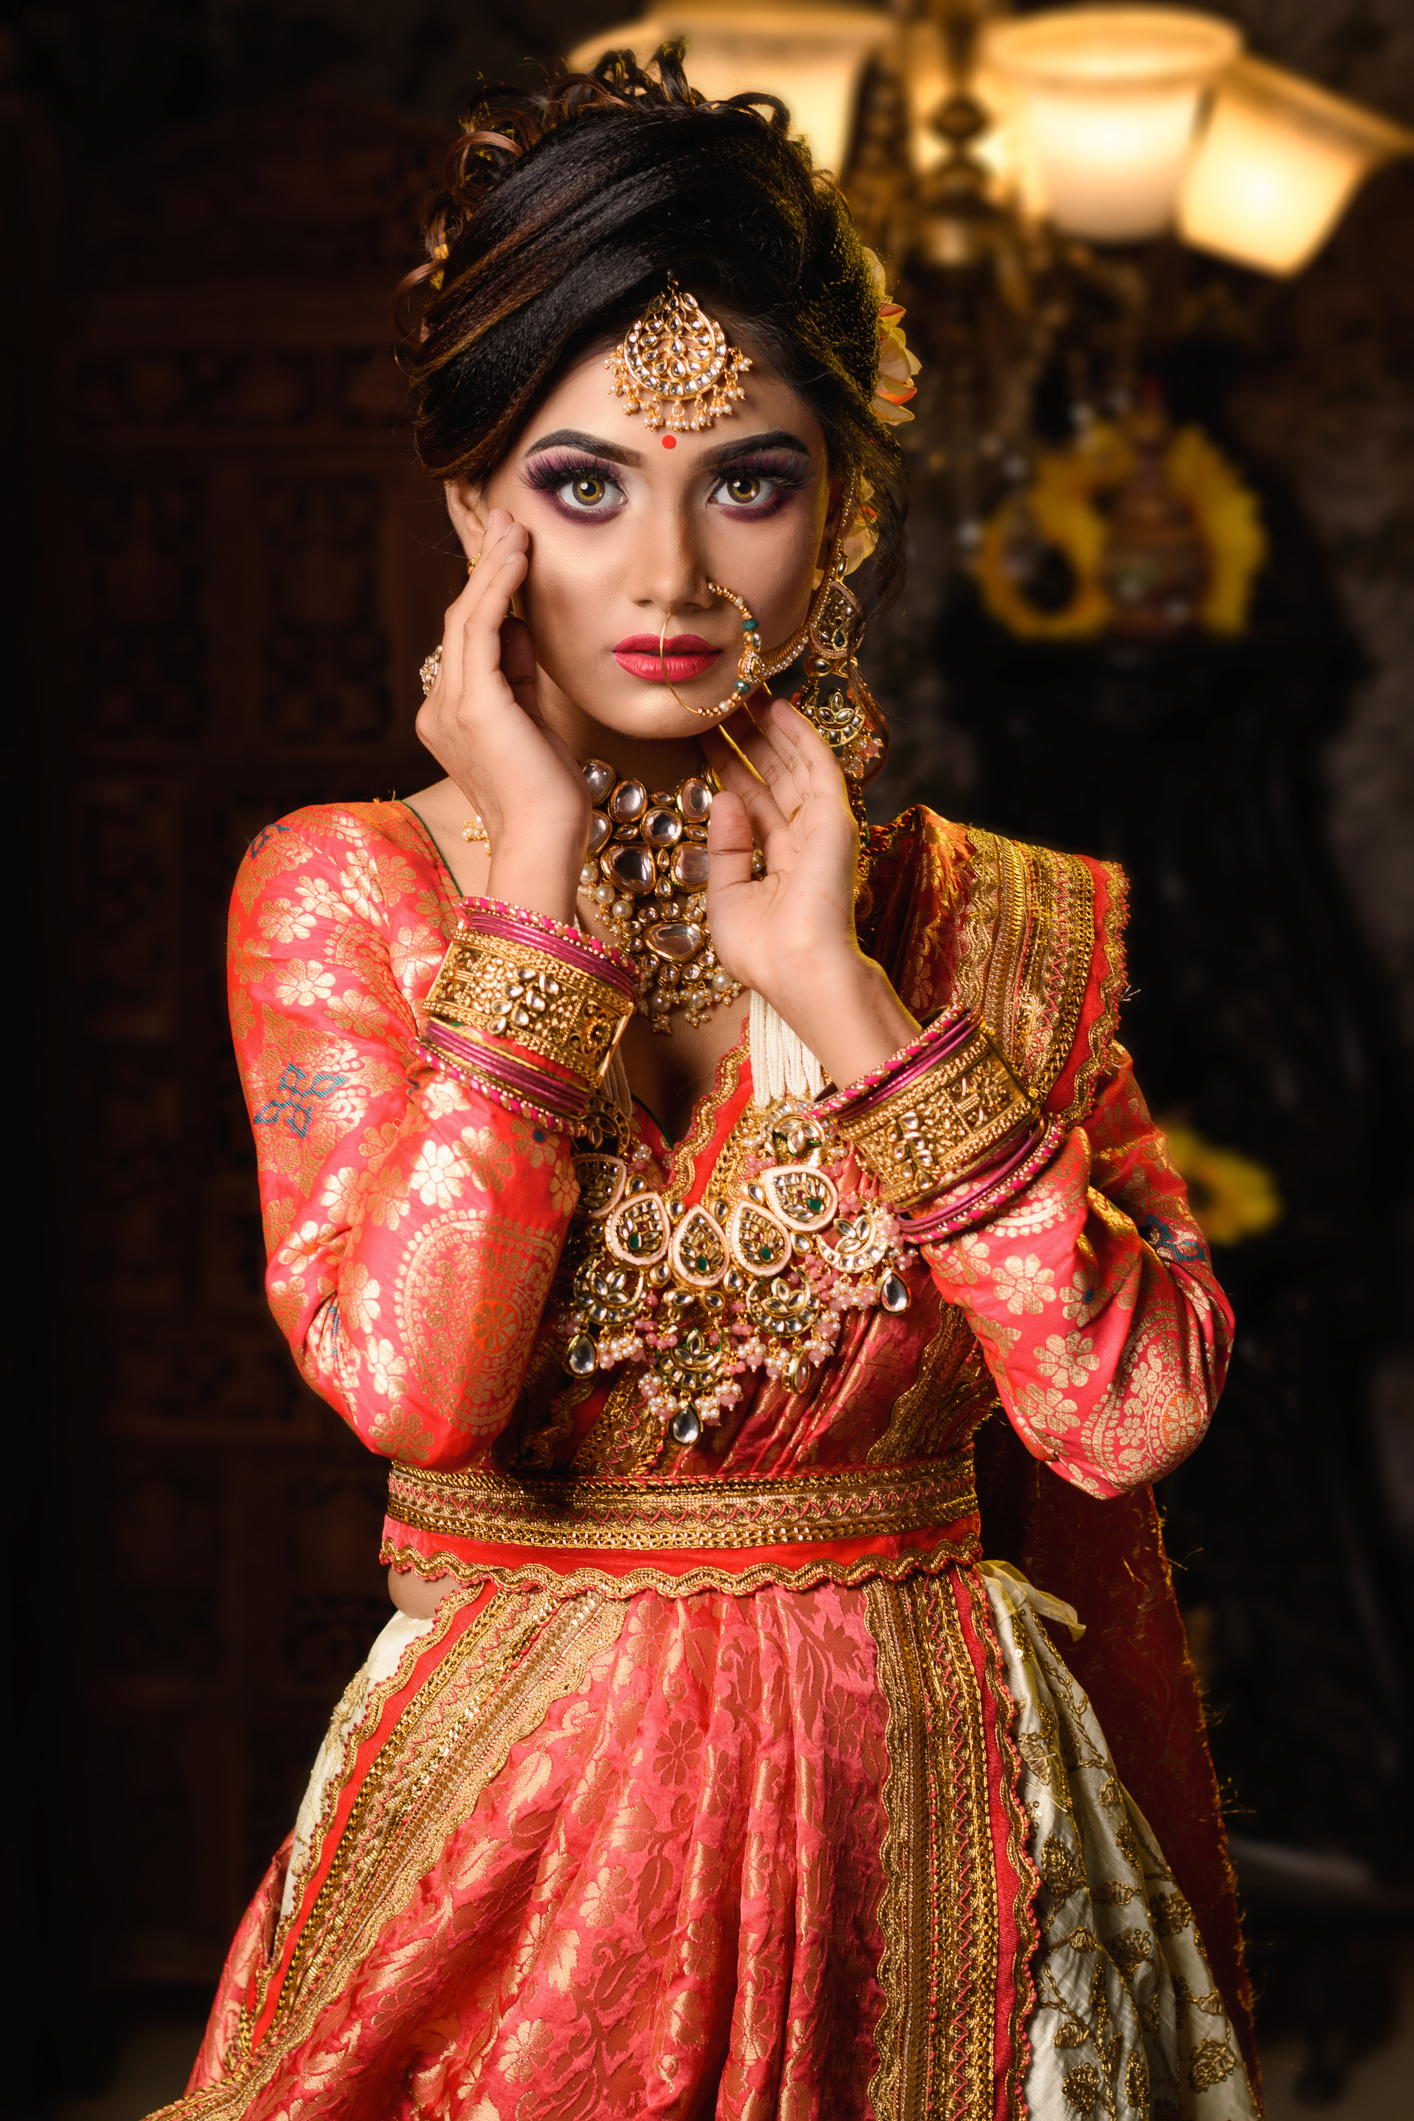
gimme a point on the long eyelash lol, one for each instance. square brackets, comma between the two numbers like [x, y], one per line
[547, 472]
[780, 466]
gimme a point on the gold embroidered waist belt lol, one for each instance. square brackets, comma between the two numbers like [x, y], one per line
[692, 1516]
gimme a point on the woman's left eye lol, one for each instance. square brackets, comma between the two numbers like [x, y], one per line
[761, 488]
[588, 490]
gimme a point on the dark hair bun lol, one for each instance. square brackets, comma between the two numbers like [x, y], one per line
[564, 211]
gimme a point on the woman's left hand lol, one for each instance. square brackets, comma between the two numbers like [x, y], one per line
[789, 934]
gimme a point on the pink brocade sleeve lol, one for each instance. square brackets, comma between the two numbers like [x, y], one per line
[1094, 1301]
[413, 1226]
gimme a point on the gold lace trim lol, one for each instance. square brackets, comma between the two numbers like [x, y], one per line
[366, 1719]
[731, 1583]
[685, 1515]
[1018, 1845]
[939, 1368]
[1105, 1028]
[1027, 946]
[625, 1436]
[725, 1083]
[939, 1967]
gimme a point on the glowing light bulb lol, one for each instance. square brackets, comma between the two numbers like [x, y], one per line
[1276, 166]
[1110, 96]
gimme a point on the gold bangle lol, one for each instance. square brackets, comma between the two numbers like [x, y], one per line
[534, 999]
[927, 1135]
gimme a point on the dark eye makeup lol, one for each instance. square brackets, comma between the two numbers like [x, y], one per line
[590, 480]
[583, 486]
[757, 484]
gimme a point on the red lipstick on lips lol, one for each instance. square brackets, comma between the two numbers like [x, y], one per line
[685, 656]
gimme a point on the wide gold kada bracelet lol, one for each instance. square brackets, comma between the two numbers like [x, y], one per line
[943, 1121]
[500, 989]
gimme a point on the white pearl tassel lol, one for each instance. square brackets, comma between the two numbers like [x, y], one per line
[782, 1065]
[616, 1084]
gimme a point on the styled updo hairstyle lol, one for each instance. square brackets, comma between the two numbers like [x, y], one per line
[564, 211]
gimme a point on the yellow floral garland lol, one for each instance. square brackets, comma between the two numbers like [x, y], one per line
[1060, 506]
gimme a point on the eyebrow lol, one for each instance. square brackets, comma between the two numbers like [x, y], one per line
[571, 438]
[727, 453]
[778, 438]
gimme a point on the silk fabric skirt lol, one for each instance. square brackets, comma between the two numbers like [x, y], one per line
[829, 1853]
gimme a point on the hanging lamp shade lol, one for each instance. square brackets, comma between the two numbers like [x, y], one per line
[809, 55]
[1277, 164]
[1110, 98]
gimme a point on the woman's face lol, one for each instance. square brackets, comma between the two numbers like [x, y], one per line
[628, 526]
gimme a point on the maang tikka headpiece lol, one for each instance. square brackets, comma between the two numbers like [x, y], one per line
[675, 365]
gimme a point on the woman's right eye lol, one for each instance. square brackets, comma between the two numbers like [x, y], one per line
[589, 493]
[577, 486]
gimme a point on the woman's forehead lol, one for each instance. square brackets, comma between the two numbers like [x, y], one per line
[580, 407]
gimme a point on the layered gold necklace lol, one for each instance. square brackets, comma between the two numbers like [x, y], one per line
[757, 1277]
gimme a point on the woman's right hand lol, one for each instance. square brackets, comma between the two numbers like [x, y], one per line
[480, 723]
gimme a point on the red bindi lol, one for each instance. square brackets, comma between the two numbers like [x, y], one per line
[670, 441]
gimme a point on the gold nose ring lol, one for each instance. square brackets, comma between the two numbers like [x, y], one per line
[663, 662]
[750, 670]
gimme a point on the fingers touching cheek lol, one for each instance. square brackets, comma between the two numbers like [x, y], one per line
[517, 654]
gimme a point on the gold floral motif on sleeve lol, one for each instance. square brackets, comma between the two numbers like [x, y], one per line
[1095, 1303]
[470, 1293]
[414, 1226]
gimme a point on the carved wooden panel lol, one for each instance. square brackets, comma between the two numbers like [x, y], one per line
[246, 569]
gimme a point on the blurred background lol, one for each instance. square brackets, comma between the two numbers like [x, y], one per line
[1161, 276]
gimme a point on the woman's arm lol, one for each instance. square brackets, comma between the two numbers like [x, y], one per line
[413, 1224]
[1094, 1300]
[1089, 1287]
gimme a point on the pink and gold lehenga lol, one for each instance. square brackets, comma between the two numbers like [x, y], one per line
[735, 1780]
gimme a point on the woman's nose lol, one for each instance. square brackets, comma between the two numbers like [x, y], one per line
[670, 566]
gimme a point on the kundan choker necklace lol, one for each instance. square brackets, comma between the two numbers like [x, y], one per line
[646, 873]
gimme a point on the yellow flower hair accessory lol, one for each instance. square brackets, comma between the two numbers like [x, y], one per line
[897, 366]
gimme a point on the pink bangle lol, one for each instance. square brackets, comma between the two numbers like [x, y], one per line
[518, 925]
[511, 1063]
[950, 1215]
[942, 1037]
[524, 1091]
[941, 1110]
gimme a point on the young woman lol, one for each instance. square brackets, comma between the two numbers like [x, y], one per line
[673, 1180]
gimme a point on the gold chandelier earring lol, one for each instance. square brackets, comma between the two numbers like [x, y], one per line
[834, 698]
